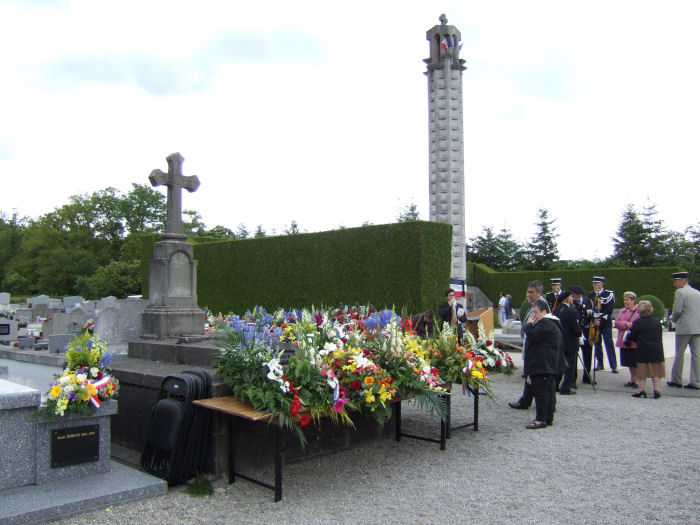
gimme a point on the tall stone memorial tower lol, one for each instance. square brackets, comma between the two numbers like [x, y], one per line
[444, 72]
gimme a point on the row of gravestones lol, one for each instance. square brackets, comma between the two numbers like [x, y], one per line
[116, 321]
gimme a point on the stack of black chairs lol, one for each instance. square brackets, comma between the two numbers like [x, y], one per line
[178, 433]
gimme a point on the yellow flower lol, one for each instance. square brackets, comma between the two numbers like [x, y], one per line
[55, 391]
[384, 396]
[369, 398]
[477, 374]
[92, 389]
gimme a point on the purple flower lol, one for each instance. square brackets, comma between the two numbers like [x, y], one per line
[339, 405]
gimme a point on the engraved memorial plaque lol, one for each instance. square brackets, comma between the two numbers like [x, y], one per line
[76, 445]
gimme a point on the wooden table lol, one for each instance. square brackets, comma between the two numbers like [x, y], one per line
[237, 409]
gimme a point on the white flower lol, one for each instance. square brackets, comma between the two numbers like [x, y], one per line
[94, 371]
[80, 378]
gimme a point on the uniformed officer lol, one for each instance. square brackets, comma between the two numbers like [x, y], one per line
[603, 302]
[583, 307]
[554, 294]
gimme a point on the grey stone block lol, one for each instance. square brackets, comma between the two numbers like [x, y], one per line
[100, 417]
[17, 404]
[4, 298]
[43, 503]
[58, 342]
[26, 342]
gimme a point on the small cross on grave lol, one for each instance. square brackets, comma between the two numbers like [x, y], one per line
[175, 181]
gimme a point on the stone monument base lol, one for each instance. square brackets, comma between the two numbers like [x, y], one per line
[162, 322]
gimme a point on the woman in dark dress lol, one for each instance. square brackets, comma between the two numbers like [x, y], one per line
[544, 360]
[646, 332]
[424, 324]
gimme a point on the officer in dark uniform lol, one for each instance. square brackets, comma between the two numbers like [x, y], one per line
[584, 309]
[552, 296]
[603, 302]
[571, 332]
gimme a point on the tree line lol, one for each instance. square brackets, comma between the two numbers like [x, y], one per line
[90, 246]
[642, 239]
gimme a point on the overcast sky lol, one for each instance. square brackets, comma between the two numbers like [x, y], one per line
[317, 111]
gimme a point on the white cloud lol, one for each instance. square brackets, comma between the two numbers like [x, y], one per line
[318, 112]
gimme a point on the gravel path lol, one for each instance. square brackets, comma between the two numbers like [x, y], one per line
[609, 458]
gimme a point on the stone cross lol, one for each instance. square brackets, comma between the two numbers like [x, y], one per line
[175, 181]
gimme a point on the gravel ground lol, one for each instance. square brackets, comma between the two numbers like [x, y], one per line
[609, 458]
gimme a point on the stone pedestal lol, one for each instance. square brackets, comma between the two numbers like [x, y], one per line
[100, 418]
[172, 291]
[17, 404]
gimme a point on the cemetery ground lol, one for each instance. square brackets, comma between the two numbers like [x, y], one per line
[609, 458]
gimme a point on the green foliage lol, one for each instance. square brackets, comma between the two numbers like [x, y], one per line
[654, 281]
[498, 251]
[408, 213]
[542, 250]
[200, 487]
[406, 265]
[659, 307]
[118, 278]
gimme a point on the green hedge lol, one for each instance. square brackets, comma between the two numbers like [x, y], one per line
[659, 307]
[642, 281]
[405, 265]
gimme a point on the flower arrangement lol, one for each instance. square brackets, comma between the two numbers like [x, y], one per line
[300, 365]
[85, 382]
[494, 359]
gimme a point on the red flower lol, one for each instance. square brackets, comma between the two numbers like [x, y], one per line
[366, 352]
[489, 342]
[304, 420]
[356, 385]
[295, 406]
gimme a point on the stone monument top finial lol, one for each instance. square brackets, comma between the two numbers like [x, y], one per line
[443, 19]
[175, 181]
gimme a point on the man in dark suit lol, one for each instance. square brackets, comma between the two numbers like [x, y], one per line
[453, 313]
[533, 292]
[571, 331]
[603, 302]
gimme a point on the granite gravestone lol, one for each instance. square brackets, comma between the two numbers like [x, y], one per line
[4, 298]
[172, 291]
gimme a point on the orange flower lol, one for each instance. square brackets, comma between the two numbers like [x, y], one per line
[369, 380]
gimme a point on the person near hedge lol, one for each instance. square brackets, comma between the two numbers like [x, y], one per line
[424, 323]
[532, 293]
[544, 360]
[603, 304]
[502, 301]
[453, 313]
[571, 332]
[555, 283]
[584, 308]
[625, 318]
[646, 332]
[686, 316]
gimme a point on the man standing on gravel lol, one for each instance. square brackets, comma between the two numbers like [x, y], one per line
[686, 316]
[533, 292]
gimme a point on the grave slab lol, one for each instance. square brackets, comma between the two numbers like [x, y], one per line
[17, 403]
[42, 503]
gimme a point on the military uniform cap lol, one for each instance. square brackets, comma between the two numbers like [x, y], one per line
[555, 280]
[598, 279]
[577, 289]
[680, 275]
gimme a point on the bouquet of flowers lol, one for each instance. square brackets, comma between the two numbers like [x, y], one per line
[85, 382]
[493, 358]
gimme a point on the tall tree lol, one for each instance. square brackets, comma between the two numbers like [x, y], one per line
[259, 232]
[642, 239]
[408, 213]
[144, 209]
[292, 229]
[543, 250]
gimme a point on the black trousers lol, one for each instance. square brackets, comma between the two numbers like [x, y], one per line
[527, 397]
[545, 400]
[587, 354]
[571, 371]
